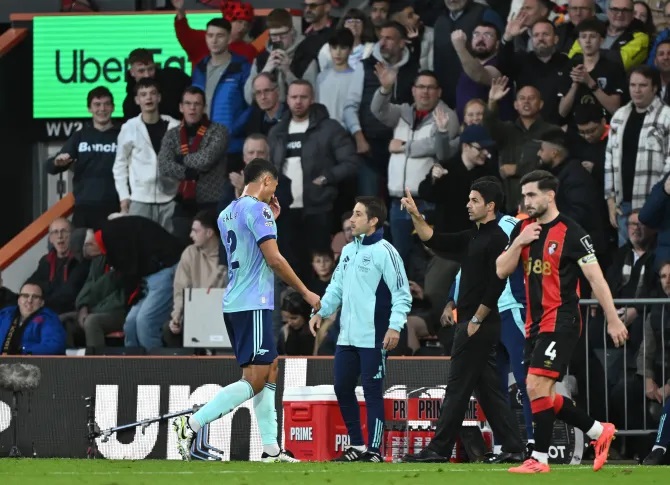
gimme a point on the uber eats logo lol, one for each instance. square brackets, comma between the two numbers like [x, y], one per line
[74, 54]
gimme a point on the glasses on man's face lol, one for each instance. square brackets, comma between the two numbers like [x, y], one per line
[313, 6]
[486, 35]
[425, 87]
[59, 232]
[30, 296]
[620, 11]
[279, 35]
[264, 92]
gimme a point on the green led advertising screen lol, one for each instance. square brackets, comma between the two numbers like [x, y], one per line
[74, 54]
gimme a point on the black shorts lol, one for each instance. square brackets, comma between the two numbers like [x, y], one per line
[548, 354]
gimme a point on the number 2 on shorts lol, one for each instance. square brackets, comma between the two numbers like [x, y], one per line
[551, 351]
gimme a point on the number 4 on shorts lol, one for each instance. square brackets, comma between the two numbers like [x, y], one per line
[551, 351]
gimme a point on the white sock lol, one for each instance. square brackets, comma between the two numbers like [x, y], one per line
[595, 431]
[656, 447]
[497, 449]
[272, 450]
[361, 448]
[541, 457]
[531, 441]
[194, 425]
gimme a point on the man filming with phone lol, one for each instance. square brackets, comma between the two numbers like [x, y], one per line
[280, 57]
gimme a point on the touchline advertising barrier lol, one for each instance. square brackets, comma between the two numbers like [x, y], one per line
[52, 421]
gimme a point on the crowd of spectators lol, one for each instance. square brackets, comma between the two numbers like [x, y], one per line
[399, 94]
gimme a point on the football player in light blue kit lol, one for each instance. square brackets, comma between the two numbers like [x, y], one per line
[371, 286]
[249, 233]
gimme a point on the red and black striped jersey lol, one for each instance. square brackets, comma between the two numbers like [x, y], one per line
[551, 272]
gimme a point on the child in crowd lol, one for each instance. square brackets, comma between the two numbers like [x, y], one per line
[295, 337]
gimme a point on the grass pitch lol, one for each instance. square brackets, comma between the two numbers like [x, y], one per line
[154, 472]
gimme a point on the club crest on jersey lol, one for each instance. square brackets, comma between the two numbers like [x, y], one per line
[552, 247]
[366, 259]
[267, 213]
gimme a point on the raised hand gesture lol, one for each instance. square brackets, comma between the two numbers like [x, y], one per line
[441, 118]
[408, 203]
[499, 88]
[386, 75]
[516, 26]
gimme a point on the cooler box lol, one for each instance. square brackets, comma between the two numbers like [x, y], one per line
[313, 426]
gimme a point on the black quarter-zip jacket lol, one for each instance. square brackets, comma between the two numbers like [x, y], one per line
[479, 283]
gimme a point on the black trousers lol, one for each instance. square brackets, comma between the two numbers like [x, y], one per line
[473, 368]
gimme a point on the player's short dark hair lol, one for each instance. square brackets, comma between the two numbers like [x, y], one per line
[392, 24]
[143, 56]
[256, 168]
[294, 304]
[207, 219]
[341, 38]
[491, 192]
[99, 92]
[221, 23]
[591, 25]
[427, 73]
[545, 180]
[194, 90]
[146, 82]
[327, 252]
[375, 207]
[647, 72]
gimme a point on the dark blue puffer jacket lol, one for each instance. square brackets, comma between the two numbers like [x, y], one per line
[43, 335]
[228, 105]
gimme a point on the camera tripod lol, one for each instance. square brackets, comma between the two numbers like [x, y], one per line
[201, 449]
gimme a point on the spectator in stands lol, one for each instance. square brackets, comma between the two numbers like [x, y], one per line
[543, 67]
[281, 57]
[344, 237]
[516, 140]
[295, 337]
[316, 13]
[101, 303]
[172, 81]
[317, 154]
[339, 82]
[364, 39]
[194, 153]
[473, 113]
[650, 367]
[595, 79]
[417, 320]
[662, 63]
[141, 190]
[30, 328]
[578, 10]
[59, 273]
[625, 41]
[199, 267]
[421, 38]
[655, 214]
[323, 265]
[145, 256]
[221, 76]
[413, 144]
[7, 296]
[532, 11]
[462, 15]
[379, 12]
[373, 137]
[479, 61]
[637, 154]
[239, 14]
[268, 109]
[642, 12]
[93, 148]
[577, 197]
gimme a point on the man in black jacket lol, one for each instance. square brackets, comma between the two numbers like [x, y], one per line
[319, 156]
[172, 81]
[473, 357]
[90, 154]
[146, 256]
